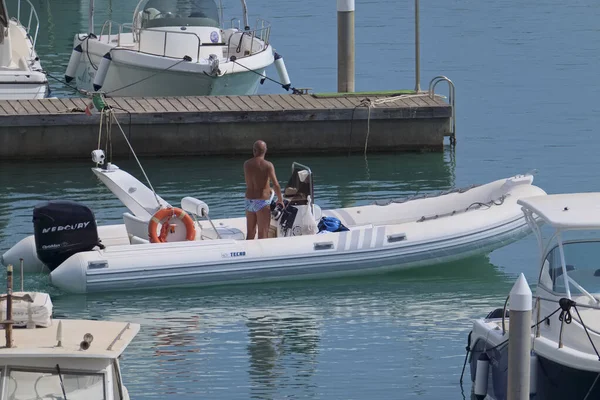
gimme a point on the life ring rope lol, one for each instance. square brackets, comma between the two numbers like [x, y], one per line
[162, 217]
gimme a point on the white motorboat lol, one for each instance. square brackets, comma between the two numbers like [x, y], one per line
[565, 339]
[21, 74]
[175, 48]
[189, 252]
[45, 358]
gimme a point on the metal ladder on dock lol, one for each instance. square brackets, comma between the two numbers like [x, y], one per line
[451, 99]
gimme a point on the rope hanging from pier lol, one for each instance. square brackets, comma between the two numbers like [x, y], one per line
[369, 103]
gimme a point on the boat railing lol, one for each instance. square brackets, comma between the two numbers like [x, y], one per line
[33, 22]
[107, 34]
[108, 27]
[262, 32]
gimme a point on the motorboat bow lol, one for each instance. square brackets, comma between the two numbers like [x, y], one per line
[565, 338]
[46, 358]
[175, 48]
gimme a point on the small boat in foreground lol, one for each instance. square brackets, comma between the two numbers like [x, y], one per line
[163, 246]
[565, 339]
[21, 74]
[45, 358]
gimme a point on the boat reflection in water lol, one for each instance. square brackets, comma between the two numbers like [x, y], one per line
[283, 352]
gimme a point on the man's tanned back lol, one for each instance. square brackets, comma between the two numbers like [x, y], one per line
[257, 173]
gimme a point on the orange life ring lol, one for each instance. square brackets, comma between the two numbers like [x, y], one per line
[163, 216]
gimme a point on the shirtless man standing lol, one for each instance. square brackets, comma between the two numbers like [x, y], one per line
[258, 172]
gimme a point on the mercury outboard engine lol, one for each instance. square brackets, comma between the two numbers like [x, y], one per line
[63, 228]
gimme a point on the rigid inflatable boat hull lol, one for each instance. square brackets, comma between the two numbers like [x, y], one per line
[235, 262]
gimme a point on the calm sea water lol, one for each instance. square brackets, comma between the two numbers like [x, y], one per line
[526, 98]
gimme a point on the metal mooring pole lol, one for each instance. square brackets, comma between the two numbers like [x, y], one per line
[417, 50]
[519, 341]
[345, 17]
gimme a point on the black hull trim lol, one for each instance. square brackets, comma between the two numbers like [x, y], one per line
[554, 381]
[557, 382]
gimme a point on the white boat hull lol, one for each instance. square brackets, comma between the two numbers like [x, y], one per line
[25, 89]
[398, 235]
[157, 270]
[137, 74]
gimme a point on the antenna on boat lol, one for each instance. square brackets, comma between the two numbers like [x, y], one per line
[8, 323]
[91, 17]
[59, 334]
[21, 262]
[245, 15]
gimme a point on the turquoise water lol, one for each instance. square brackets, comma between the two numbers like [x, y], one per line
[526, 98]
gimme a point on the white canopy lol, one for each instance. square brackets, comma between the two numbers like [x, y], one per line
[566, 211]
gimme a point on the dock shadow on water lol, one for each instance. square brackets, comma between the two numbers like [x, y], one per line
[302, 338]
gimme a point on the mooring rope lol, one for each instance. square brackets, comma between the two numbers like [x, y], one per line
[185, 58]
[135, 156]
[369, 103]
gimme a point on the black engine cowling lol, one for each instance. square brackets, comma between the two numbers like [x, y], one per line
[63, 228]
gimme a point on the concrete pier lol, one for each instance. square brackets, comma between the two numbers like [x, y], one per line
[226, 125]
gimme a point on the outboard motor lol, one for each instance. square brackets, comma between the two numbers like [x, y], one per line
[63, 228]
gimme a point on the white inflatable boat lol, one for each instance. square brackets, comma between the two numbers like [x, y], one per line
[199, 251]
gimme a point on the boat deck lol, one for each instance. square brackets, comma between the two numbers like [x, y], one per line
[228, 124]
[110, 338]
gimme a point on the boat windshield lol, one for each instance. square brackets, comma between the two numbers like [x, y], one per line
[34, 383]
[160, 13]
[582, 261]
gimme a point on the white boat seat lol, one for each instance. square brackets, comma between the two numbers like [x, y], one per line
[225, 232]
[135, 226]
[194, 206]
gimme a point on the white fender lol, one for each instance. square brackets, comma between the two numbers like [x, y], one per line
[194, 206]
[481, 376]
[102, 71]
[284, 78]
[73, 63]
